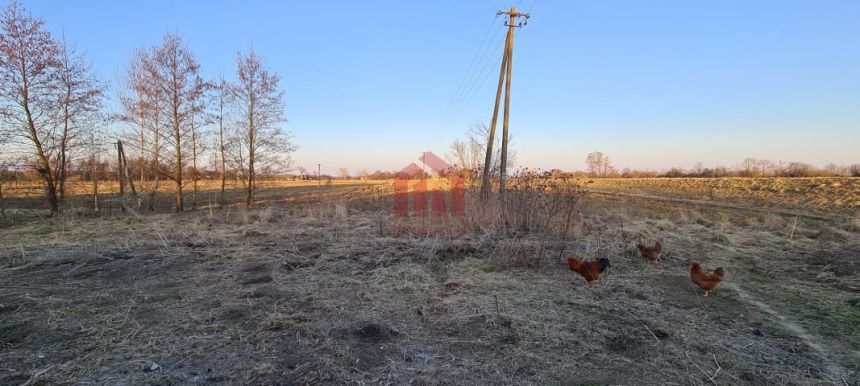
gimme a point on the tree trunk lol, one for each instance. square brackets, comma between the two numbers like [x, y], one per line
[222, 200]
[61, 173]
[43, 165]
[61, 164]
[156, 168]
[51, 189]
[142, 160]
[94, 175]
[177, 170]
[193, 164]
[251, 148]
[177, 176]
[251, 179]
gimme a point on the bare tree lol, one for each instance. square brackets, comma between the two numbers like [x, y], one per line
[833, 170]
[28, 92]
[763, 166]
[698, 168]
[140, 109]
[343, 173]
[599, 164]
[302, 171]
[799, 169]
[594, 161]
[222, 93]
[197, 120]
[607, 168]
[470, 154]
[262, 146]
[80, 102]
[92, 167]
[175, 75]
[750, 167]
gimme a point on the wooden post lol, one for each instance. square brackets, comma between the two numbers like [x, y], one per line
[119, 176]
[128, 176]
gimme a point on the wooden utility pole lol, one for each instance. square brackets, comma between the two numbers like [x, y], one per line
[504, 79]
[319, 175]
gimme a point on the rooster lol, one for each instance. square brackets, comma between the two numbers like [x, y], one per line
[651, 253]
[590, 270]
[707, 281]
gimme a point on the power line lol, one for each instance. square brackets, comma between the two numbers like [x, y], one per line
[474, 83]
[483, 62]
[475, 86]
[468, 70]
[487, 71]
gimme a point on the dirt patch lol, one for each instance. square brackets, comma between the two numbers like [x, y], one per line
[374, 332]
[257, 280]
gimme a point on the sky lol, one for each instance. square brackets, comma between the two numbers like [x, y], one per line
[653, 84]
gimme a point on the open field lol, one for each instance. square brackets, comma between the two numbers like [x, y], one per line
[30, 195]
[325, 286]
[811, 194]
[834, 194]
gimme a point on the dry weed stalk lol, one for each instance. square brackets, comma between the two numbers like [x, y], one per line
[539, 212]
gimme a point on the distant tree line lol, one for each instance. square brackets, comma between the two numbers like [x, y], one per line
[781, 169]
[180, 126]
[599, 165]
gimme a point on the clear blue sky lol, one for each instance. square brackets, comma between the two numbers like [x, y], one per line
[653, 84]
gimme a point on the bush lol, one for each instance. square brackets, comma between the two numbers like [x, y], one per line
[855, 170]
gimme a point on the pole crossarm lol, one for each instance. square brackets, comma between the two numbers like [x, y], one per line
[513, 14]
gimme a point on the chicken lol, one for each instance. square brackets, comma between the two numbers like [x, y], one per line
[708, 281]
[590, 270]
[651, 253]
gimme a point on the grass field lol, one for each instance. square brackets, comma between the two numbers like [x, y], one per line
[30, 195]
[324, 285]
[814, 193]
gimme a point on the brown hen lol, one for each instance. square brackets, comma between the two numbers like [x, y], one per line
[707, 281]
[651, 253]
[590, 270]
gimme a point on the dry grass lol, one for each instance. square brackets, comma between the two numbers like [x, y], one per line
[812, 193]
[330, 288]
[76, 187]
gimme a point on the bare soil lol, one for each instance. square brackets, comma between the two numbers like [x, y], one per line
[324, 287]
